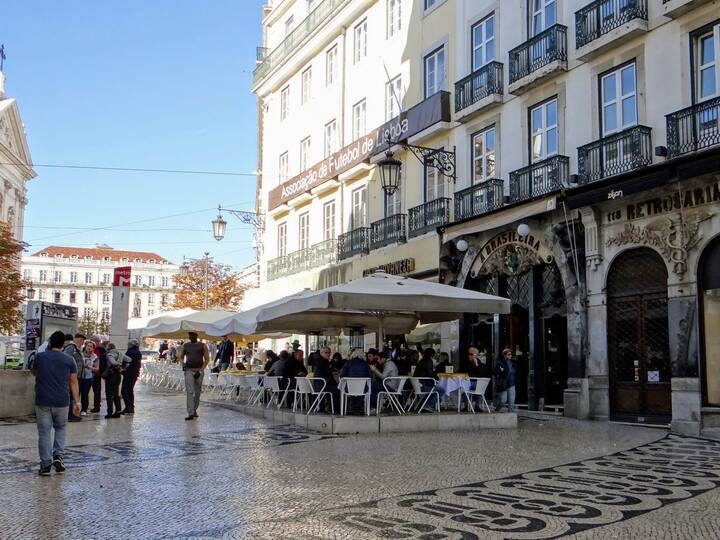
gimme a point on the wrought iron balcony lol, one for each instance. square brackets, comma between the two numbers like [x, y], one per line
[602, 16]
[304, 259]
[540, 178]
[484, 82]
[479, 199]
[694, 128]
[353, 243]
[548, 46]
[618, 153]
[428, 217]
[322, 12]
[387, 231]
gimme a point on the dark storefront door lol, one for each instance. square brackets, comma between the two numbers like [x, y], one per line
[555, 365]
[638, 344]
[516, 337]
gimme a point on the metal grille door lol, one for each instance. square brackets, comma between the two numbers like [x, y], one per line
[638, 341]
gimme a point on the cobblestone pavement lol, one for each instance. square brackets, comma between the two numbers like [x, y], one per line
[225, 475]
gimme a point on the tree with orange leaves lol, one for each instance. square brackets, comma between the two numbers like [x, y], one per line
[224, 289]
[11, 283]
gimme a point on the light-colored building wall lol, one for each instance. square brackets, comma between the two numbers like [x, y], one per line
[56, 279]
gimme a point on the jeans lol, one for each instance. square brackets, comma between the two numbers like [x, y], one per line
[506, 396]
[97, 391]
[85, 386]
[224, 366]
[112, 393]
[193, 388]
[48, 418]
[128, 390]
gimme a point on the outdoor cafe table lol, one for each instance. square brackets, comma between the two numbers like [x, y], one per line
[450, 383]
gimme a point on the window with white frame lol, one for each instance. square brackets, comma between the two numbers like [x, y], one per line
[393, 97]
[436, 184]
[306, 89]
[41, 294]
[27, 274]
[283, 167]
[393, 203]
[105, 279]
[284, 102]
[282, 239]
[72, 297]
[434, 72]
[57, 276]
[358, 116]
[329, 220]
[105, 297]
[619, 99]
[431, 3]
[138, 281]
[43, 276]
[544, 130]
[88, 278]
[165, 281]
[483, 42]
[331, 138]
[73, 277]
[88, 297]
[304, 230]
[57, 296]
[707, 73]
[360, 41]
[87, 313]
[163, 299]
[151, 298]
[105, 314]
[358, 215]
[483, 155]
[304, 154]
[331, 65]
[289, 25]
[151, 312]
[544, 15]
[151, 281]
[394, 17]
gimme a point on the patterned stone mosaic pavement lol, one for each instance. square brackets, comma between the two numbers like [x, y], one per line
[156, 476]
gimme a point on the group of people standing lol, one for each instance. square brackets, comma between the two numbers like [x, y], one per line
[65, 371]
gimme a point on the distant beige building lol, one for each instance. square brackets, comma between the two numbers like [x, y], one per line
[82, 277]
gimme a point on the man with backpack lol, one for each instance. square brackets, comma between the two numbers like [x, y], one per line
[73, 348]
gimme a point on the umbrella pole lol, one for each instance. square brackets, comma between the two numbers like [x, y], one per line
[380, 338]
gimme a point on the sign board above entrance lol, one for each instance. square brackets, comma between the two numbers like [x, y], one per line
[434, 109]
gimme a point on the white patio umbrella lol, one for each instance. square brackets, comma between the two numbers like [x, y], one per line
[178, 327]
[384, 302]
[140, 323]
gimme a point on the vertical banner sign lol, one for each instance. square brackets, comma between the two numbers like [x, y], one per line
[120, 307]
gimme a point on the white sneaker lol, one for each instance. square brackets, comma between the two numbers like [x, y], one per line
[83, 413]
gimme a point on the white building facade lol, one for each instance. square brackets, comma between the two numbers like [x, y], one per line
[83, 277]
[15, 164]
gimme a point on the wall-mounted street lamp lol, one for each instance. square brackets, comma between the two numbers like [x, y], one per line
[440, 159]
[219, 225]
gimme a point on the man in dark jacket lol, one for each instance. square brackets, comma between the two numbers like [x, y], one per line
[73, 348]
[101, 353]
[322, 370]
[130, 377]
[225, 354]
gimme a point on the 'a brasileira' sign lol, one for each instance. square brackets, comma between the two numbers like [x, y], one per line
[434, 109]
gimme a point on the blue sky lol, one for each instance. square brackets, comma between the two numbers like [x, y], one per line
[162, 84]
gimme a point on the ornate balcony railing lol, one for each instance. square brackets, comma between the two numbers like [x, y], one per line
[694, 128]
[618, 153]
[479, 199]
[602, 16]
[540, 50]
[304, 259]
[484, 82]
[293, 40]
[428, 217]
[353, 243]
[387, 231]
[540, 178]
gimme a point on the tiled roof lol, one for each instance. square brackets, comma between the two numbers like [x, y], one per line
[100, 253]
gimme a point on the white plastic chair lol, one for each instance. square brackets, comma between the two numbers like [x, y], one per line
[305, 390]
[478, 390]
[354, 387]
[255, 388]
[420, 396]
[394, 396]
[212, 383]
[272, 385]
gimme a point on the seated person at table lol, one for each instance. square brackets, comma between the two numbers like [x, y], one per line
[322, 370]
[425, 369]
[356, 367]
[385, 368]
[239, 365]
[270, 359]
[444, 362]
[475, 369]
[337, 361]
[276, 367]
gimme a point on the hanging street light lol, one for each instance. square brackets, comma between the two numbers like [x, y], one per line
[440, 159]
[390, 169]
[219, 225]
